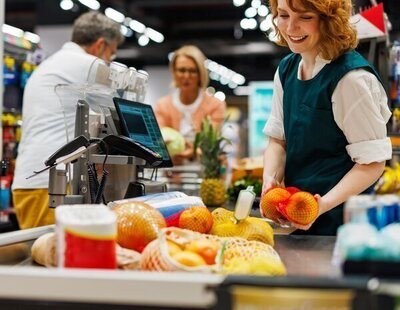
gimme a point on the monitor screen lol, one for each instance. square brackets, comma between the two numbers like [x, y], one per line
[138, 122]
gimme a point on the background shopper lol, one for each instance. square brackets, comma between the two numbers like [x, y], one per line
[47, 120]
[189, 104]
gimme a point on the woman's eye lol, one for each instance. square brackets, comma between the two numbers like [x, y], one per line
[306, 17]
[283, 15]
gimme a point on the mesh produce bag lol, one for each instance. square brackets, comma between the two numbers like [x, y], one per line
[155, 256]
[250, 229]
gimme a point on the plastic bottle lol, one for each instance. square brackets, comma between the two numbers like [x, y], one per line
[244, 203]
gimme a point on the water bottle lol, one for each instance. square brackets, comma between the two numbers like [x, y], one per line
[244, 203]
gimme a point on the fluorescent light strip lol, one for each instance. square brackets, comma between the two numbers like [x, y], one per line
[114, 15]
[13, 30]
[91, 4]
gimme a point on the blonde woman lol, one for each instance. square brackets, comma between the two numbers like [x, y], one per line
[189, 104]
[327, 129]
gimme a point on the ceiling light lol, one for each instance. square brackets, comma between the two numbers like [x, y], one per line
[212, 66]
[127, 32]
[256, 3]
[114, 15]
[250, 12]
[143, 40]
[252, 23]
[238, 79]
[13, 30]
[224, 81]
[220, 95]
[232, 85]
[154, 35]
[263, 11]
[267, 24]
[210, 90]
[91, 4]
[244, 23]
[272, 36]
[239, 2]
[242, 91]
[33, 37]
[137, 26]
[214, 76]
[66, 5]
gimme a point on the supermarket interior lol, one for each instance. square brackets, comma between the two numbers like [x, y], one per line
[200, 154]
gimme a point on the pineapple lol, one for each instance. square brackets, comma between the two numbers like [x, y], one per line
[211, 143]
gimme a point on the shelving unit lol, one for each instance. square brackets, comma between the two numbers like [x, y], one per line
[19, 59]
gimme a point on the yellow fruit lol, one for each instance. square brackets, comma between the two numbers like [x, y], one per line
[213, 192]
[189, 259]
[197, 218]
[250, 229]
[258, 265]
[207, 249]
[173, 248]
[267, 266]
[221, 216]
[237, 265]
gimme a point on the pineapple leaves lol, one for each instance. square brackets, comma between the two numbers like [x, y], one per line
[211, 143]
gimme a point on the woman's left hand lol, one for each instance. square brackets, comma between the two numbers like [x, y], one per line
[322, 205]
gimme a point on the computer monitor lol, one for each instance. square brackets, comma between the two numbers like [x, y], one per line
[138, 122]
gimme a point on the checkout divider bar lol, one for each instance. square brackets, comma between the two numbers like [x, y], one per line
[24, 235]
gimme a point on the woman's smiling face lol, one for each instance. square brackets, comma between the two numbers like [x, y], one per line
[300, 29]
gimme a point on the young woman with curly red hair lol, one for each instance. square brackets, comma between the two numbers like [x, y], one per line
[327, 130]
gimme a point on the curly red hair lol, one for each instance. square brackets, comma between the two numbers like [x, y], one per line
[337, 33]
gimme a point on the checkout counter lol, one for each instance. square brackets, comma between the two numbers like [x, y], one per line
[312, 282]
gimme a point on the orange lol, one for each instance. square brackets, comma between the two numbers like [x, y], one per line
[270, 202]
[189, 259]
[137, 224]
[207, 249]
[301, 208]
[197, 218]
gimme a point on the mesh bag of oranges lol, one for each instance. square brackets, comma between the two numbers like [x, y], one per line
[172, 251]
[289, 204]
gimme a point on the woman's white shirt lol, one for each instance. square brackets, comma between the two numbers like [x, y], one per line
[360, 109]
[186, 125]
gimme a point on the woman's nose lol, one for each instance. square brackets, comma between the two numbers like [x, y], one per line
[291, 25]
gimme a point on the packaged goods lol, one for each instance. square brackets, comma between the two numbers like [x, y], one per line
[170, 204]
[86, 236]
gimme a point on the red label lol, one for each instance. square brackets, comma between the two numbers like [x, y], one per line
[84, 252]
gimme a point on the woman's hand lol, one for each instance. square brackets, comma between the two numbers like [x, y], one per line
[269, 182]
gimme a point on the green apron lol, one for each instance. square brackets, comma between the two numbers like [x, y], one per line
[316, 156]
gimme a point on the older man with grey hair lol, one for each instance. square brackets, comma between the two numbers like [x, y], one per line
[49, 120]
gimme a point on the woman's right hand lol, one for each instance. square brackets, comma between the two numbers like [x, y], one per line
[269, 182]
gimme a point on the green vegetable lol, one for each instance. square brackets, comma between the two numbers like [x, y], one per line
[236, 187]
[174, 140]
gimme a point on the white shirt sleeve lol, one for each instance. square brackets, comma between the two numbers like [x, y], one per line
[360, 109]
[274, 126]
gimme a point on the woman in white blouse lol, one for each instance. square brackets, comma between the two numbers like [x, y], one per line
[327, 129]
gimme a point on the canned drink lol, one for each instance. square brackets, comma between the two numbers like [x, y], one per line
[86, 236]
